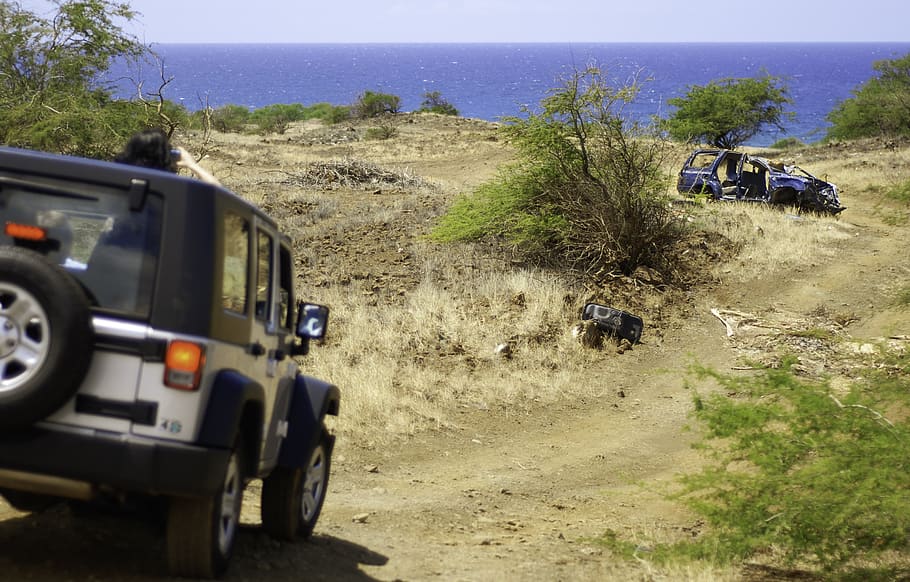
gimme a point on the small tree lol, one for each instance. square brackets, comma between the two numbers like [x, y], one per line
[276, 118]
[371, 104]
[879, 107]
[587, 193]
[434, 102]
[51, 96]
[230, 118]
[728, 112]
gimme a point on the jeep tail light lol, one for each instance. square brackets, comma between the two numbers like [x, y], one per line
[183, 365]
[25, 231]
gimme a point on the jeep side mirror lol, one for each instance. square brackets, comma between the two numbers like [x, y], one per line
[312, 320]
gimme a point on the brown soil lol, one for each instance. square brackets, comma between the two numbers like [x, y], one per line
[501, 495]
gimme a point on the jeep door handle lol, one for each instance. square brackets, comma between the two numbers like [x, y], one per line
[257, 349]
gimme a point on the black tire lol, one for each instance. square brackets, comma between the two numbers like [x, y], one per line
[45, 337]
[201, 531]
[292, 498]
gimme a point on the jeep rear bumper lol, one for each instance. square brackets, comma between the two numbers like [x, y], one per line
[107, 461]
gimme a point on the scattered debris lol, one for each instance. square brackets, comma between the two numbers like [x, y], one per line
[737, 321]
[361, 518]
[350, 173]
[729, 323]
[624, 346]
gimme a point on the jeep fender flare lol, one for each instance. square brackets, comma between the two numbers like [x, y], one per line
[235, 410]
[311, 401]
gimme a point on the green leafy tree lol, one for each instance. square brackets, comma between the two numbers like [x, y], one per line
[370, 104]
[587, 193]
[51, 95]
[879, 107]
[434, 102]
[728, 112]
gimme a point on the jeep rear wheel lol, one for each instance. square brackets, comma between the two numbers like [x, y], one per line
[201, 531]
[292, 498]
[45, 337]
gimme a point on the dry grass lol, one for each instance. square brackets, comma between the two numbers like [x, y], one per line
[771, 240]
[408, 367]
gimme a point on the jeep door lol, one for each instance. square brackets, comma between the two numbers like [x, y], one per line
[272, 334]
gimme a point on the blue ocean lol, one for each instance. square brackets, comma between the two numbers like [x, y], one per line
[490, 81]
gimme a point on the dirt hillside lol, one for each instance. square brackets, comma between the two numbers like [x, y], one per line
[498, 493]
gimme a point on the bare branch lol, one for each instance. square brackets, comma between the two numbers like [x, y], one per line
[866, 408]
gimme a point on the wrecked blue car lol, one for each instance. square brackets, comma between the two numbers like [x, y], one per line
[736, 176]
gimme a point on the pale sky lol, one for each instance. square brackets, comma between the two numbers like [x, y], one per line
[347, 21]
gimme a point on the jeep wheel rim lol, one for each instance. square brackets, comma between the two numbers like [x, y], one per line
[314, 484]
[24, 337]
[231, 496]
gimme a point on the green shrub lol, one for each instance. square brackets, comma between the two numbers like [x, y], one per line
[787, 143]
[900, 192]
[370, 104]
[434, 102]
[820, 475]
[382, 132]
[95, 128]
[274, 118]
[879, 107]
[587, 193]
[328, 113]
[500, 209]
[230, 118]
[277, 117]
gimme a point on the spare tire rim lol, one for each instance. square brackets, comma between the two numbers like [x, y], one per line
[24, 336]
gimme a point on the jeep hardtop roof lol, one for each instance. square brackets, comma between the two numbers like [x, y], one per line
[185, 296]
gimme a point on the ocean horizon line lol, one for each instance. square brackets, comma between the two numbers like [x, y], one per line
[544, 43]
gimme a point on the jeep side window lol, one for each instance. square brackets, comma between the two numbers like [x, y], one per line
[235, 273]
[286, 290]
[263, 275]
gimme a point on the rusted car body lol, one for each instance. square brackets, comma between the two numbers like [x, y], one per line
[737, 176]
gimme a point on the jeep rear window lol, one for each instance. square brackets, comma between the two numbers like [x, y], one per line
[109, 248]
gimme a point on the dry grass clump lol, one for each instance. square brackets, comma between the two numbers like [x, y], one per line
[410, 366]
[771, 240]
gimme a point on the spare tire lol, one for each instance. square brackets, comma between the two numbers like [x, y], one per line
[45, 337]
